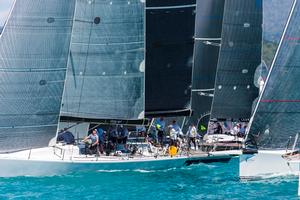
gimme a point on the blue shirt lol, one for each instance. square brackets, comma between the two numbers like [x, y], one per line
[122, 132]
[161, 124]
[93, 138]
[242, 130]
[176, 127]
[113, 132]
[140, 129]
[100, 133]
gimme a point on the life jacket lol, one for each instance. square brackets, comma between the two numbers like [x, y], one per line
[172, 151]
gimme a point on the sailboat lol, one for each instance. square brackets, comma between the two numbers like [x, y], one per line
[237, 48]
[274, 126]
[71, 63]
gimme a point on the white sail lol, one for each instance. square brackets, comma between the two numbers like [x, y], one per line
[104, 80]
[34, 47]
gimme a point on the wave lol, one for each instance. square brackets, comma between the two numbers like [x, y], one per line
[113, 170]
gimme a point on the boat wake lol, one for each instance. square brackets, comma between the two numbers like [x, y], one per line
[136, 170]
[113, 171]
[271, 178]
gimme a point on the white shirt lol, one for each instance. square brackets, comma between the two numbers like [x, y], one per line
[192, 132]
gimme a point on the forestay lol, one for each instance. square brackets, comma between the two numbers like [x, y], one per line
[34, 48]
[105, 78]
[169, 56]
[277, 115]
[240, 55]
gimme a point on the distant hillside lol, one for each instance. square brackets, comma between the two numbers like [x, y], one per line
[275, 16]
[269, 50]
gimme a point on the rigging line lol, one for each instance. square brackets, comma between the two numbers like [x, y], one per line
[106, 44]
[85, 66]
[280, 101]
[205, 94]
[31, 69]
[205, 39]
[295, 142]
[203, 90]
[8, 18]
[26, 114]
[280, 112]
[183, 122]
[271, 68]
[84, 21]
[212, 43]
[73, 69]
[71, 126]
[170, 7]
[64, 92]
[94, 127]
[34, 126]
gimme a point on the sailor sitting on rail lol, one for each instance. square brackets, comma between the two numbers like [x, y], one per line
[141, 130]
[218, 128]
[122, 136]
[94, 141]
[236, 129]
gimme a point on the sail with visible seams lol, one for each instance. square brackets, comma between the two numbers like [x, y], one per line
[276, 116]
[239, 57]
[34, 48]
[105, 77]
[169, 56]
[208, 27]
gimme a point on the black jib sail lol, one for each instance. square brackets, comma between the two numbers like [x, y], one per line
[277, 114]
[34, 48]
[209, 17]
[240, 55]
[169, 56]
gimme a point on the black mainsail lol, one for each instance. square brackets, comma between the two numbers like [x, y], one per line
[34, 48]
[169, 56]
[209, 18]
[240, 55]
[105, 78]
[277, 115]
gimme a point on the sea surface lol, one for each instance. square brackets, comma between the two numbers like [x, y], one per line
[204, 181]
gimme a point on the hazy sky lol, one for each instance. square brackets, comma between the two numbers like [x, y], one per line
[5, 6]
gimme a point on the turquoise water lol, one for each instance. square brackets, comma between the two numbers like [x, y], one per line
[213, 181]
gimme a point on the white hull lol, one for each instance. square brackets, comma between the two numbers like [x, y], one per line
[47, 162]
[222, 138]
[266, 164]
